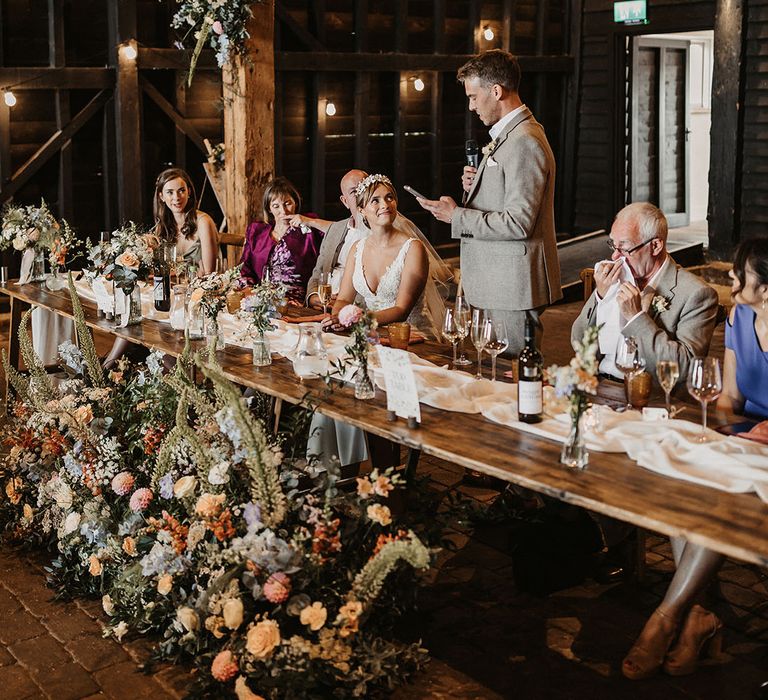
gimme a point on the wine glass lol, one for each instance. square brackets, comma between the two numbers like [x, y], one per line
[324, 292]
[462, 319]
[629, 362]
[450, 331]
[497, 341]
[668, 372]
[705, 384]
[479, 337]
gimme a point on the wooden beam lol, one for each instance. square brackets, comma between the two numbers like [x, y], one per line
[436, 143]
[52, 146]
[5, 145]
[58, 78]
[56, 56]
[382, 62]
[401, 26]
[542, 22]
[401, 115]
[109, 166]
[473, 29]
[302, 34]
[181, 108]
[726, 135]
[317, 131]
[168, 109]
[174, 59]
[362, 87]
[508, 22]
[361, 25]
[249, 120]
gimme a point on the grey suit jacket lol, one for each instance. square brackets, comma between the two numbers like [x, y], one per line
[507, 224]
[328, 255]
[682, 332]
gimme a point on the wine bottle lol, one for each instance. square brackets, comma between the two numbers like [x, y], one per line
[161, 275]
[530, 403]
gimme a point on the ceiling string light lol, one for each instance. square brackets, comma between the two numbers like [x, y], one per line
[488, 33]
[9, 98]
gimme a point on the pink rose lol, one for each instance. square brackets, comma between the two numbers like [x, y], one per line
[277, 588]
[218, 27]
[224, 666]
[349, 315]
[128, 259]
[140, 500]
[122, 483]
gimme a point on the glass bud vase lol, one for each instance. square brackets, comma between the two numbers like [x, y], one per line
[574, 453]
[127, 307]
[38, 266]
[57, 280]
[213, 334]
[261, 352]
[364, 388]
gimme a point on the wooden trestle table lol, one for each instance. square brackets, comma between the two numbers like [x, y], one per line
[612, 484]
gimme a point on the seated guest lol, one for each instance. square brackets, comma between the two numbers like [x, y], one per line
[681, 616]
[275, 248]
[340, 235]
[642, 293]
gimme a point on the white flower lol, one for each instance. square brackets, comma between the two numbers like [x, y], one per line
[184, 487]
[489, 147]
[107, 604]
[195, 535]
[219, 474]
[233, 613]
[188, 618]
[659, 304]
[119, 630]
[71, 523]
[63, 496]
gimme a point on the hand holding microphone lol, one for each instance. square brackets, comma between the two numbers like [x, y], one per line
[472, 153]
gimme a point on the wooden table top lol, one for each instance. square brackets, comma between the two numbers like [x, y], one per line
[612, 484]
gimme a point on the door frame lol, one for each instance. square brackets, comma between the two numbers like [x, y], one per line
[675, 219]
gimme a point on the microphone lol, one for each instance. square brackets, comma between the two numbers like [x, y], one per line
[472, 153]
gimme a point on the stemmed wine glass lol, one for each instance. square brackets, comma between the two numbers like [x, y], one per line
[461, 316]
[629, 362]
[450, 331]
[668, 372]
[324, 292]
[705, 384]
[497, 341]
[479, 337]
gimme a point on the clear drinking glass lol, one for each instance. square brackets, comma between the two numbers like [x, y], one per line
[668, 372]
[497, 341]
[628, 361]
[705, 384]
[462, 319]
[324, 292]
[450, 332]
[479, 337]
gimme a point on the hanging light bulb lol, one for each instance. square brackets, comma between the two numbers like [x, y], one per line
[418, 84]
[330, 109]
[129, 51]
[488, 33]
[9, 98]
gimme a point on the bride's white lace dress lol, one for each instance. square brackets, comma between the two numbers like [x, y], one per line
[389, 284]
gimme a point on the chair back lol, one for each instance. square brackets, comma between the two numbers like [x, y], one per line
[587, 277]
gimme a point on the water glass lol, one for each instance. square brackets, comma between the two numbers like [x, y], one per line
[629, 362]
[479, 337]
[450, 332]
[497, 341]
[462, 319]
[668, 372]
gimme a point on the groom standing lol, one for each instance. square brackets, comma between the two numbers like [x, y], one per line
[506, 225]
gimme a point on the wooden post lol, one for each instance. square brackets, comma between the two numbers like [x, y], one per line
[249, 128]
[56, 57]
[727, 129]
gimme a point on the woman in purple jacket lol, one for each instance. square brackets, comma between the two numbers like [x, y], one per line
[285, 253]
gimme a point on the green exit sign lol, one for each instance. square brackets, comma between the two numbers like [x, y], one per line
[632, 12]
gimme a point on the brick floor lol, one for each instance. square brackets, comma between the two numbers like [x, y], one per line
[487, 639]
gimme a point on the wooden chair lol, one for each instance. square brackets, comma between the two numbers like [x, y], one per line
[587, 277]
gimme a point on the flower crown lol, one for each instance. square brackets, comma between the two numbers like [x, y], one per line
[372, 180]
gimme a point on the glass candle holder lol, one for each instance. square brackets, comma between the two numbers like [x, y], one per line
[399, 335]
[638, 389]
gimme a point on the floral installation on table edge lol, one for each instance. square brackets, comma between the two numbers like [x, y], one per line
[578, 379]
[220, 23]
[177, 506]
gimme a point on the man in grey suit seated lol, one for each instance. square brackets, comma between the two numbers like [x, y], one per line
[642, 293]
[506, 225]
[339, 238]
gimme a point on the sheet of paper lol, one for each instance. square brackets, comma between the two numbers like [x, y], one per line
[402, 396]
[105, 300]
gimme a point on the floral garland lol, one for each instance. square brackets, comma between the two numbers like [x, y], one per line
[220, 23]
[178, 506]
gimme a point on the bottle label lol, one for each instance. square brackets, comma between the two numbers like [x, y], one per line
[159, 292]
[529, 398]
[531, 371]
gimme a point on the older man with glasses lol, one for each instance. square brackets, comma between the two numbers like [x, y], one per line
[642, 293]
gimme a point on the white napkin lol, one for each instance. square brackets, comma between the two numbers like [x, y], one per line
[27, 258]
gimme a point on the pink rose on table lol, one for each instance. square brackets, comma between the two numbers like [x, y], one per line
[350, 315]
[128, 259]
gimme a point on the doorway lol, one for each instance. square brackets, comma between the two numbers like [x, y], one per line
[668, 124]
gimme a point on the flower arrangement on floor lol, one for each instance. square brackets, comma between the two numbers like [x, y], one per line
[362, 325]
[577, 381]
[220, 23]
[177, 505]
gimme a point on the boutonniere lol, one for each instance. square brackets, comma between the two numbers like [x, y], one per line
[489, 147]
[659, 304]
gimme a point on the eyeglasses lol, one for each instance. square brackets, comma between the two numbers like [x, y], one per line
[623, 251]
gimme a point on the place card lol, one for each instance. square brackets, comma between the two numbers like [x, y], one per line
[651, 413]
[104, 299]
[402, 397]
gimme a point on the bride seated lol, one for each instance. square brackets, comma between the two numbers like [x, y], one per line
[389, 268]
